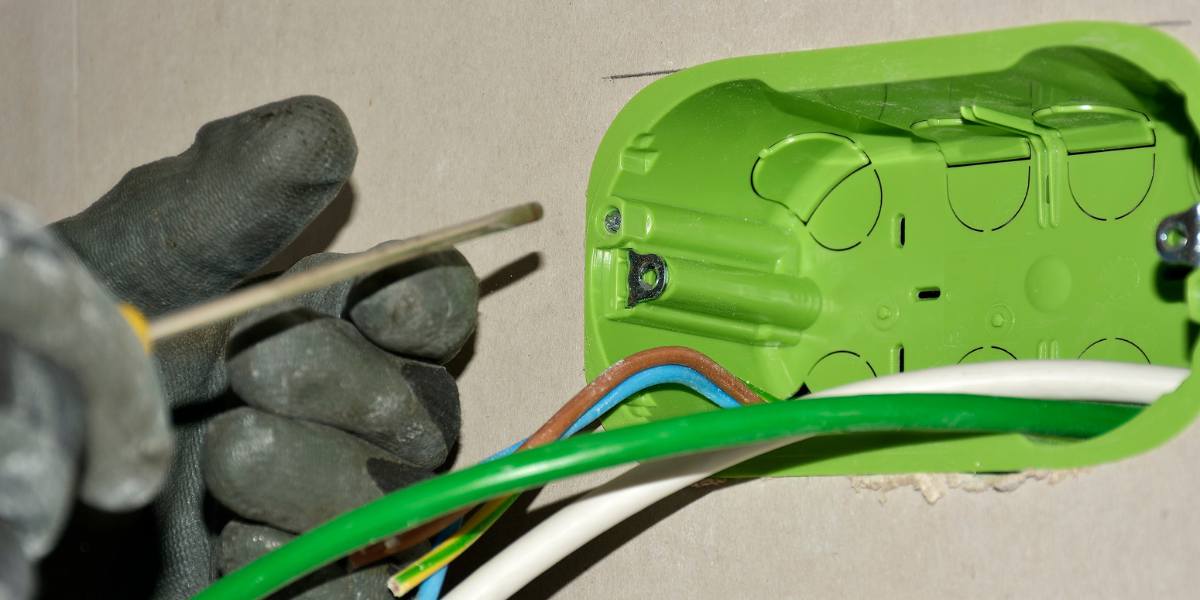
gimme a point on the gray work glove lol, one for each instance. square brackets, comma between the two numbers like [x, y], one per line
[80, 405]
[344, 396]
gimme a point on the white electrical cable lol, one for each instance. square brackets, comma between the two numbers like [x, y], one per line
[629, 493]
[1044, 379]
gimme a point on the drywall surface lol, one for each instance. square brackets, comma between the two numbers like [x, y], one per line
[467, 108]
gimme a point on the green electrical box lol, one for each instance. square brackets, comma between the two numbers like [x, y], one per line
[816, 218]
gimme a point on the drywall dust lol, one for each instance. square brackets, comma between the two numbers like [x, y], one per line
[935, 486]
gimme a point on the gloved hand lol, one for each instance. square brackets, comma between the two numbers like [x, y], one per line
[60, 401]
[346, 396]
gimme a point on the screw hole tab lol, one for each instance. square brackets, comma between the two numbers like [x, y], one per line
[647, 278]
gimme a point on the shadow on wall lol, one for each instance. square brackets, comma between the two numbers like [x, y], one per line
[558, 577]
[497, 280]
[319, 235]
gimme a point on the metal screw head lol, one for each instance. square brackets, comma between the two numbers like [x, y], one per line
[1178, 238]
[612, 221]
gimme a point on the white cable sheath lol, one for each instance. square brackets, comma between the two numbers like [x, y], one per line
[627, 494]
[1045, 379]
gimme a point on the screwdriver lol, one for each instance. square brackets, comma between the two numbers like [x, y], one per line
[152, 330]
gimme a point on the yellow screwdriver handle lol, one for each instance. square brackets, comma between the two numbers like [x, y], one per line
[139, 323]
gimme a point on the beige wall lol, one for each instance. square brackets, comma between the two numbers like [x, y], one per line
[473, 107]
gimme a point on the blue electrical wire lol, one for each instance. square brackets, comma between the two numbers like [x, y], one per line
[431, 588]
[651, 377]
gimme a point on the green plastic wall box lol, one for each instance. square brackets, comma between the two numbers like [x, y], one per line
[815, 218]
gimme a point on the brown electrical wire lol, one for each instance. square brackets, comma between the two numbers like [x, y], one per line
[558, 424]
[622, 370]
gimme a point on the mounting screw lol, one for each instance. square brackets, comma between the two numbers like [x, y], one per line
[612, 221]
[1178, 238]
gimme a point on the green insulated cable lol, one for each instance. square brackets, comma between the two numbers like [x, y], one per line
[429, 499]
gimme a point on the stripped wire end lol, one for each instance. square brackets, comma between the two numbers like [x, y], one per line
[413, 575]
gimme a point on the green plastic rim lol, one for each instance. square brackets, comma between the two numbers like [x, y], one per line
[816, 218]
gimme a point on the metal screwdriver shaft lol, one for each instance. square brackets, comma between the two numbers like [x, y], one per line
[290, 286]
